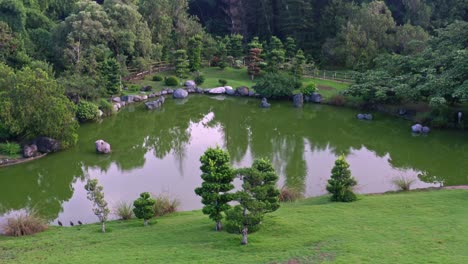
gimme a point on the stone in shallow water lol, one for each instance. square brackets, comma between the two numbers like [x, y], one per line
[217, 90]
[264, 103]
[180, 94]
[102, 147]
[298, 100]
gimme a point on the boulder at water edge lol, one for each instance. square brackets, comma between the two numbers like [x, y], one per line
[360, 116]
[298, 100]
[417, 128]
[264, 103]
[47, 145]
[190, 83]
[316, 98]
[229, 90]
[180, 94]
[217, 90]
[426, 130]
[102, 147]
[155, 104]
[242, 91]
[30, 151]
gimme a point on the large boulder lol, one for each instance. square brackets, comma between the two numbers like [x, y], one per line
[155, 104]
[30, 151]
[264, 103]
[116, 100]
[128, 98]
[190, 83]
[229, 90]
[425, 130]
[47, 145]
[417, 128]
[360, 116]
[298, 100]
[368, 117]
[217, 90]
[180, 94]
[242, 91]
[316, 98]
[102, 147]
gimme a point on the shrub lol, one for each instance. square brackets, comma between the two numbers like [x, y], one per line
[172, 81]
[87, 111]
[10, 149]
[165, 205]
[143, 207]
[124, 210]
[200, 79]
[106, 107]
[4, 133]
[289, 194]
[341, 183]
[403, 183]
[309, 89]
[25, 224]
[222, 82]
[275, 85]
[134, 88]
[157, 78]
[337, 99]
[234, 226]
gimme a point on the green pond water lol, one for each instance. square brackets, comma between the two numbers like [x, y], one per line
[158, 151]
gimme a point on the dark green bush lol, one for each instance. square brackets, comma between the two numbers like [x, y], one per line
[10, 149]
[87, 111]
[274, 85]
[341, 183]
[134, 88]
[309, 89]
[200, 79]
[172, 81]
[106, 107]
[234, 226]
[222, 82]
[157, 78]
[4, 133]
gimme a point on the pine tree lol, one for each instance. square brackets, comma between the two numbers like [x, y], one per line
[143, 207]
[298, 63]
[194, 53]
[290, 47]
[96, 195]
[275, 55]
[111, 73]
[181, 63]
[341, 183]
[217, 175]
[253, 62]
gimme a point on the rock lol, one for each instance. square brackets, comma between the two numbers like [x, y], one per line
[116, 107]
[146, 89]
[425, 130]
[163, 92]
[251, 94]
[122, 104]
[217, 90]
[180, 94]
[170, 91]
[100, 113]
[264, 103]
[316, 98]
[298, 100]
[242, 91]
[402, 112]
[157, 94]
[155, 104]
[47, 145]
[102, 147]
[190, 83]
[198, 90]
[360, 116]
[206, 90]
[30, 151]
[190, 90]
[229, 90]
[417, 128]
[138, 98]
[368, 117]
[127, 98]
[116, 100]
[151, 95]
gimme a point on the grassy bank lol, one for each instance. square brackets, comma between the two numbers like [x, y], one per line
[415, 227]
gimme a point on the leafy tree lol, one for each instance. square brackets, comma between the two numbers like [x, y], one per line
[235, 47]
[217, 175]
[143, 207]
[194, 53]
[255, 44]
[111, 74]
[290, 47]
[259, 196]
[275, 85]
[96, 195]
[275, 55]
[86, 111]
[253, 62]
[181, 63]
[341, 183]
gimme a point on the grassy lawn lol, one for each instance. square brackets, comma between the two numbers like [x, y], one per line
[414, 227]
[239, 77]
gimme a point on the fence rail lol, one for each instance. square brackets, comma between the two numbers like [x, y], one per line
[155, 67]
[331, 75]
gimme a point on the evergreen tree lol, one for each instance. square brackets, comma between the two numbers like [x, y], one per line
[253, 62]
[275, 55]
[96, 195]
[217, 175]
[298, 63]
[290, 47]
[143, 207]
[235, 48]
[181, 63]
[111, 74]
[194, 53]
[341, 183]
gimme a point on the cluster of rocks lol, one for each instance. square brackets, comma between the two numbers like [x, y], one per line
[420, 129]
[155, 104]
[299, 99]
[368, 117]
[39, 146]
[102, 147]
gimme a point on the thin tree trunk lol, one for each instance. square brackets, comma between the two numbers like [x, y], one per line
[103, 227]
[244, 235]
[146, 222]
[219, 226]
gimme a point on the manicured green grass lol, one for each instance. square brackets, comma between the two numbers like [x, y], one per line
[414, 227]
[327, 88]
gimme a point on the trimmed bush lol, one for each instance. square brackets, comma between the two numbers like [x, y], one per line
[275, 85]
[309, 89]
[24, 224]
[165, 205]
[157, 78]
[124, 210]
[10, 149]
[87, 111]
[222, 82]
[172, 81]
[199, 80]
[106, 107]
[341, 183]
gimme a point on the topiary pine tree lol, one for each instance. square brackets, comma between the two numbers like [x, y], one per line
[259, 196]
[96, 195]
[194, 53]
[143, 207]
[341, 183]
[217, 175]
[253, 62]
[181, 63]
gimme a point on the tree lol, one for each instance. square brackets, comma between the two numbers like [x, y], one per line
[276, 85]
[217, 175]
[253, 62]
[181, 63]
[258, 197]
[298, 63]
[143, 207]
[111, 74]
[341, 183]
[290, 47]
[235, 48]
[275, 55]
[96, 195]
[194, 53]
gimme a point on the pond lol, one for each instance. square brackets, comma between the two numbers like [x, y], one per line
[159, 151]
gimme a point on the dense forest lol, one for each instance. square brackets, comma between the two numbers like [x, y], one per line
[58, 55]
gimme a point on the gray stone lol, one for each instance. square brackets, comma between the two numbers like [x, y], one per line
[170, 91]
[251, 94]
[155, 104]
[47, 145]
[368, 117]
[360, 116]
[298, 100]
[191, 90]
[102, 147]
[151, 95]
[242, 91]
[180, 94]
[229, 90]
[127, 98]
[116, 100]
[190, 83]
[100, 113]
[163, 92]
[316, 98]
[264, 103]
[417, 128]
[198, 90]
[138, 98]
[30, 151]
[425, 130]
[217, 90]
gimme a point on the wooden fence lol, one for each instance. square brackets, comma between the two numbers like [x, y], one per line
[341, 76]
[155, 67]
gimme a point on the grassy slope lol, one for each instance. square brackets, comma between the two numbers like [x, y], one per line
[416, 227]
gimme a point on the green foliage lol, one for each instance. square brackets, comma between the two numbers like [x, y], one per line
[86, 111]
[275, 55]
[234, 46]
[254, 60]
[111, 74]
[181, 63]
[217, 176]
[143, 207]
[223, 82]
[25, 224]
[165, 205]
[200, 79]
[172, 81]
[309, 89]
[10, 149]
[96, 195]
[124, 210]
[157, 78]
[194, 53]
[298, 64]
[341, 183]
[275, 85]
[106, 107]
